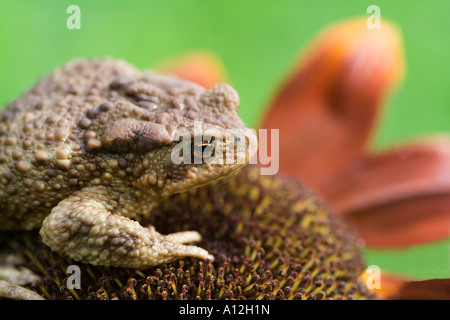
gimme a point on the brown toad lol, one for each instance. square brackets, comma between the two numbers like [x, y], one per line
[89, 151]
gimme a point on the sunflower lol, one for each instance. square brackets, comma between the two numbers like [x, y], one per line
[271, 239]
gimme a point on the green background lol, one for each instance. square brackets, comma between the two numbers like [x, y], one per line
[258, 42]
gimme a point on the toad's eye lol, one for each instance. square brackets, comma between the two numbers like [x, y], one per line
[204, 149]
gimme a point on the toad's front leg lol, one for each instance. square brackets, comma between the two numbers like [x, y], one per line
[86, 228]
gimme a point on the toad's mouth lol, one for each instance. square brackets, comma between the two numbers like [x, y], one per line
[211, 179]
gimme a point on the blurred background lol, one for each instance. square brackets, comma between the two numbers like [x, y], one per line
[258, 42]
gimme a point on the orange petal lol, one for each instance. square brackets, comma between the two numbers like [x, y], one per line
[434, 289]
[327, 108]
[398, 198]
[203, 68]
[396, 287]
[404, 223]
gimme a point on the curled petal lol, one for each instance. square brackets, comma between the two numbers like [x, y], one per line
[203, 68]
[403, 223]
[433, 289]
[396, 287]
[398, 198]
[327, 108]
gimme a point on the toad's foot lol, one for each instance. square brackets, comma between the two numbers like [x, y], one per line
[12, 279]
[85, 228]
